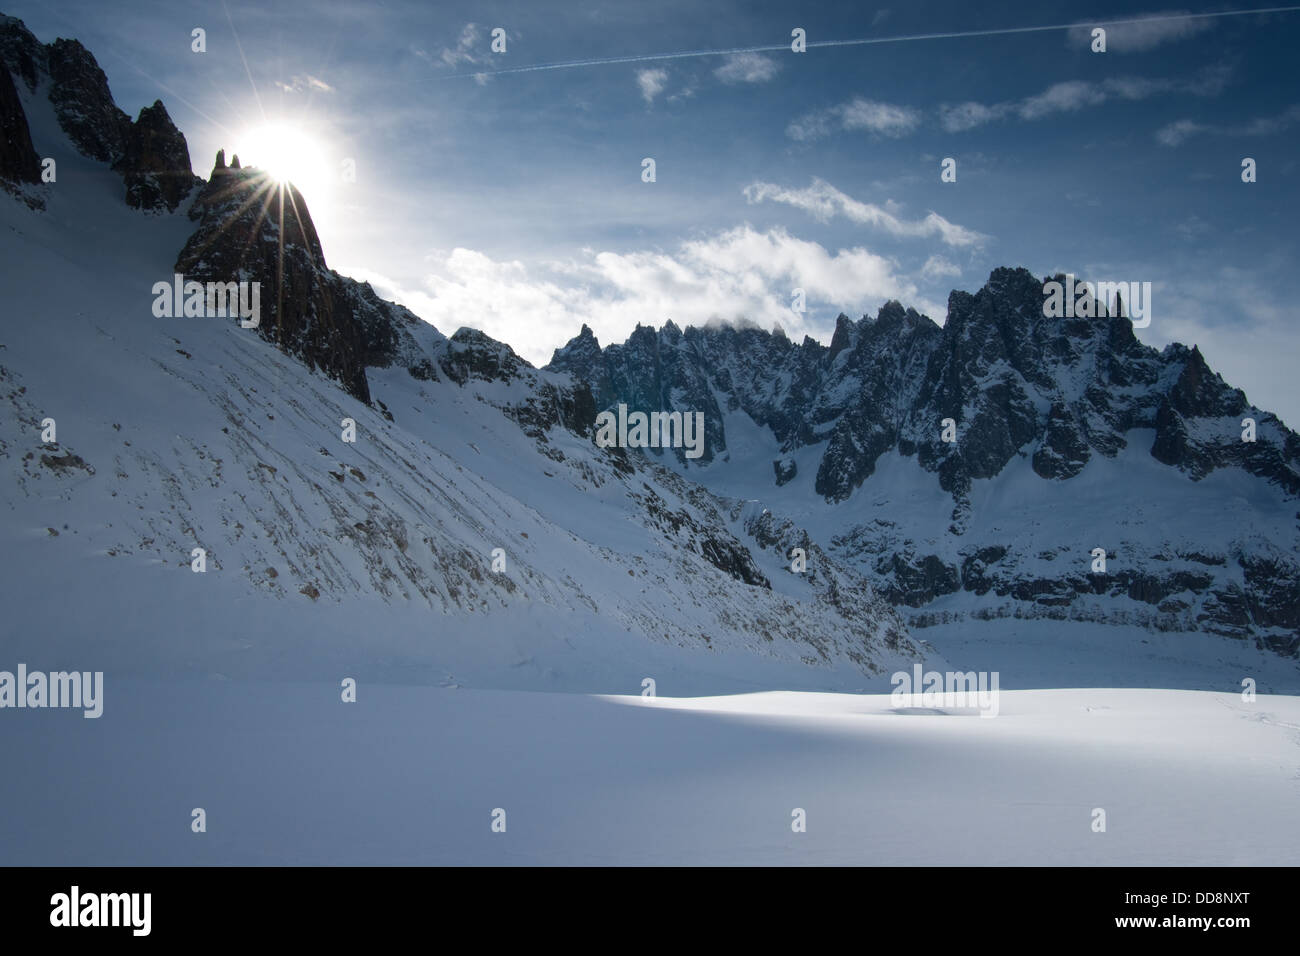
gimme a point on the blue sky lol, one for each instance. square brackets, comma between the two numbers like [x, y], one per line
[514, 202]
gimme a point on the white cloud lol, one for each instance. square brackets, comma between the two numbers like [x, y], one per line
[740, 273]
[886, 119]
[937, 267]
[883, 118]
[305, 82]
[1061, 98]
[823, 201]
[466, 49]
[859, 113]
[1265, 125]
[1144, 35]
[747, 68]
[651, 83]
[964, 116]
[811, 126]
[1177, 132]
[1074, 95]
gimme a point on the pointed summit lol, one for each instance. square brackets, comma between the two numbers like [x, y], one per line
[843, 337]
[579, 355]
[238, 238]
[84, 104]
[22, 52]
[155, 164]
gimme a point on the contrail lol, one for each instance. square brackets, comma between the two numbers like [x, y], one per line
[779, 47]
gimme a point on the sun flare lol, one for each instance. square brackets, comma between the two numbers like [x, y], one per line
[289, 154]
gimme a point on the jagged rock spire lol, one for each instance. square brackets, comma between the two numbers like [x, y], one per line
[150, 153]
[18, 159]
[155, 163]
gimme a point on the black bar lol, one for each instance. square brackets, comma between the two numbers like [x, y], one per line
[333, 906]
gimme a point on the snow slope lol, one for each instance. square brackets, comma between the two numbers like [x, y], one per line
[183, 433]
[287, 773]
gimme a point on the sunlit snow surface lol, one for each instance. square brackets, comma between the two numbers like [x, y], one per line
[288, 773]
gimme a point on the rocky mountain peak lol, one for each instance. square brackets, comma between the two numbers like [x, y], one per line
[843, 337]
[84, 103]
[243, 215]
[243, 210]
[156, 162]
[328, 321]
[581, 355]
[1202, 393]
[472, 353]
[151, 154]
[22, 52]
[999, 383]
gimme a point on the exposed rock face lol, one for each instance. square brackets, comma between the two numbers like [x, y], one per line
[888, 383]
[151, 154]
[22, 52]
[18, 160]
[1063, 452]
[840, 586]
[156, 162]
[785, 469]
[330, 322]
[1056, 393]
[472, 354]
[651, 371]
[244, 216]
[84, 104]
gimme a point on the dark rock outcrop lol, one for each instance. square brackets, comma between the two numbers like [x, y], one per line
[1064, 450]
[22, 52]
[473, 354]
[328, 321]
[84, 104]
[155, 163]
[255, 230]
[1056, 393]
[151, 154]
[18, 160]
[997, 363]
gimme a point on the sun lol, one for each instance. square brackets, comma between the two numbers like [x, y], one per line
[289, 153]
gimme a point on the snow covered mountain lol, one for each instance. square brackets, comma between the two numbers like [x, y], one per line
[1065, 436]
[228, 514]
[472, 530]
[476, 496]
